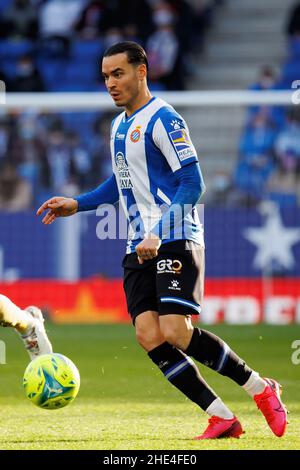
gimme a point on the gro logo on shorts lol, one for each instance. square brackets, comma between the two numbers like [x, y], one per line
[169, 266]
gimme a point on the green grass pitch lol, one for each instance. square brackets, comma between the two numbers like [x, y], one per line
[125, 402]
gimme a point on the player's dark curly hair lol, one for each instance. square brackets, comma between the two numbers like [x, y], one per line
[135, 53]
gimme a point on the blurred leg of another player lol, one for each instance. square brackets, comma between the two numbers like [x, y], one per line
[29, 324]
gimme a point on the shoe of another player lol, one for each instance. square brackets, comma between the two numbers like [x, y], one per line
[36, 340]
[220, 428]
[271, 406]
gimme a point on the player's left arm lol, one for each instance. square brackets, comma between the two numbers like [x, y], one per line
[189, 191]
[183, 160]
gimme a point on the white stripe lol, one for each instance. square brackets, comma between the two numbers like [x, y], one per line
[162, 140]
[116, 125]
[177, 369]
[163, 196]
[179, 301]
[137, 164]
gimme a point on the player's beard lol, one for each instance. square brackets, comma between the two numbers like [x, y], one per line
[133, 95]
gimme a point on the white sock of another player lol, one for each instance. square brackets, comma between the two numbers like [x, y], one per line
[218, 408]
[12, 315]
[254, 385]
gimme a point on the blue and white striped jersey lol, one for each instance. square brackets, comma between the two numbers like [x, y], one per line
[147, 149]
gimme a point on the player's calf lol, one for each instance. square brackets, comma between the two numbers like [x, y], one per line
[213, 352]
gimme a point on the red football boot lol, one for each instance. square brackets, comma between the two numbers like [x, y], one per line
[219, 428]
[272, 408]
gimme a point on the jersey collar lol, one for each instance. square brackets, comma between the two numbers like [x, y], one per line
[128, 119]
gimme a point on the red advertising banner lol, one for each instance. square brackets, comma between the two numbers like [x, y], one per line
[241, 301]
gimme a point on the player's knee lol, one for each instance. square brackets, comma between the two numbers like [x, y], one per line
[171, 333]
[148, 338]
[177, 334]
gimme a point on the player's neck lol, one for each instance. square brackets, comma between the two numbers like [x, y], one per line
[140, 101]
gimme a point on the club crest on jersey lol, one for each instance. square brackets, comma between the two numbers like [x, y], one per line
[123, 170]
[135, 134]
[182, 144]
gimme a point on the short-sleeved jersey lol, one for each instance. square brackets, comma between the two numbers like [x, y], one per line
[147, 149]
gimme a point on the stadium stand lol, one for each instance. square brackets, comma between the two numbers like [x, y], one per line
[42, 48]
[233, 58]
[41, 53]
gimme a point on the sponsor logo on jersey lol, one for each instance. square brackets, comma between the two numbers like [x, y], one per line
[120, 136]
[135, 134]
[123, 170]
[169, 266]
[182, 144]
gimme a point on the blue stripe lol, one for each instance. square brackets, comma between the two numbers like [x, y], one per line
[182, 302]
[120, 146]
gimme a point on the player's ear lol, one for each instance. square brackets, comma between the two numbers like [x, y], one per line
[142, 71]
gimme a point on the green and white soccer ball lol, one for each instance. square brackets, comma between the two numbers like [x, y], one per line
[51, 381]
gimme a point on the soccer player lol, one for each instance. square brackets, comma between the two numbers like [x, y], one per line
[29, 323]
[157, 178]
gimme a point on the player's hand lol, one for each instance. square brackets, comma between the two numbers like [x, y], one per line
[58, 207]
[148, 248]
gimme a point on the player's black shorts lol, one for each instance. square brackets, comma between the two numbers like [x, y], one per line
[171, 283]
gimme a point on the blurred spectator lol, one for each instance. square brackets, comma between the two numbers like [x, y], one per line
[80, 165]
[93, 20]
[15, 192]
[202, 15]
[137, 15]
[57, 22]
[26, 148]
[20, 21]
[256, 156]
[99, 150]
[266, 79]
[28, 78]
[163, 49]
[258, 138]
[287, 147]
[283, 188]
[185, 25]
[56, 165]
[220, 188]
[293, 25]
[66, 165]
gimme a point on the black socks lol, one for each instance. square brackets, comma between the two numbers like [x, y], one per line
[181, 371]
[213, 352]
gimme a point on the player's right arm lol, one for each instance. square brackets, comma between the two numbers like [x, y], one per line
[106, 193]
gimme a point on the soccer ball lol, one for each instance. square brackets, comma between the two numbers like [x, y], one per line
[51, 381]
